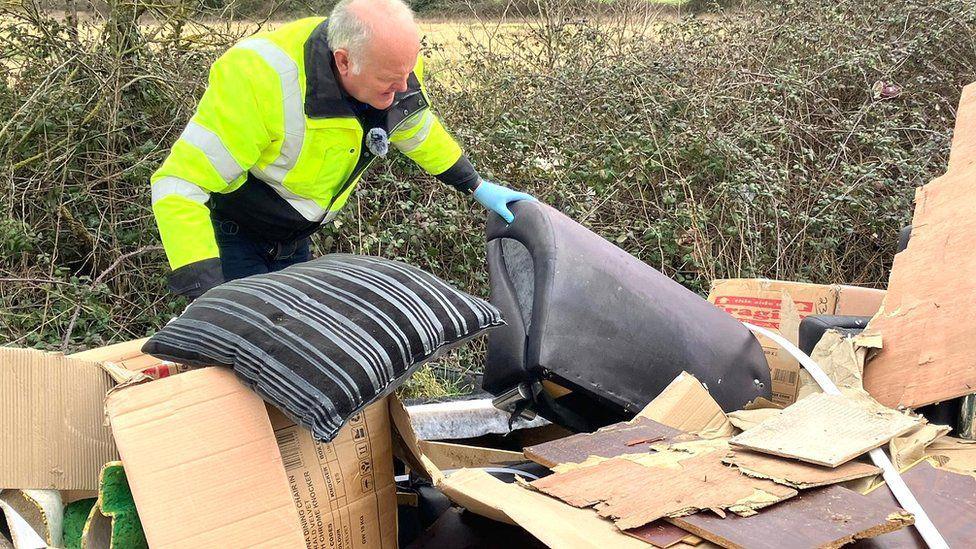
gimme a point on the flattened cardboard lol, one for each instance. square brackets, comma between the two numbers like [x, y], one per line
[203, 463]
[458, 456]
[781, 305]
[343, 490]
[953, 454]
[826, 430]
[686, 405]
[926, 326]
[52, 432]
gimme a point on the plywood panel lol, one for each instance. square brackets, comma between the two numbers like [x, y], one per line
[614, 440]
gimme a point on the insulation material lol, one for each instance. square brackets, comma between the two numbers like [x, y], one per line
[797, 474]
[825, 517]
[34, 517]
[686, 405]
[676, 480]
[926, 324]
[827, 430]
[613, 440]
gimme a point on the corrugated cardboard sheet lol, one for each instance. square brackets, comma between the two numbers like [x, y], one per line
[52, 432]
[780, 305]
[203, 463]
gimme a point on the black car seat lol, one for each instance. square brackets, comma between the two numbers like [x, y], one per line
[590, 317]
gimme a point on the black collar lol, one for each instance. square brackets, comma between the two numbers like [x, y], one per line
[324, 97]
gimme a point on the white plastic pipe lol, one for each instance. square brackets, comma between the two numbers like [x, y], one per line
[896, 484]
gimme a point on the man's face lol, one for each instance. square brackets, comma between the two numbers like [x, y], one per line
[381, 72]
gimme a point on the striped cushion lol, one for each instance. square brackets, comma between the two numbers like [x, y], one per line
[323, 339]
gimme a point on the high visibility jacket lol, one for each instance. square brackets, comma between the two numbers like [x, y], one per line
[276, 146]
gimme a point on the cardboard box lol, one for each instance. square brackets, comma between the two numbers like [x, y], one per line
[52, 429]
[209, 467]
[780, 306]
[344, 490]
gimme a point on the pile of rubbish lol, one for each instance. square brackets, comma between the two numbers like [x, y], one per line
[758, 446]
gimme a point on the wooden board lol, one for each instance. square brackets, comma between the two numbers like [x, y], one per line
[614, 440]
[826, 430]
[926, 323]
[662, 534]
[949, 499]
[797, 474]
[824, 517]
[674, 481]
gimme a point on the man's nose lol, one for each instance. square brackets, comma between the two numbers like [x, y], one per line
[402, 85]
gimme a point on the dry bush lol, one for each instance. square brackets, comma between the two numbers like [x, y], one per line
[781, 140]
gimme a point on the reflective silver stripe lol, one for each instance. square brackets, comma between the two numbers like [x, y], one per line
[210, 144]
[293, 108]
[413, 121]
[411, 143]
[309, 209]
[166, 186]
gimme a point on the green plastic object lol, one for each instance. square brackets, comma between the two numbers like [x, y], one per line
[75, 516]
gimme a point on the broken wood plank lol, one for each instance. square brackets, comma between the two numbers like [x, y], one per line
[637, 489]
[797, 474]
[686, 405]
[949, 499]
[824, 517]
[662, 534]
[926, 322]
[826, 429]
[608, 442]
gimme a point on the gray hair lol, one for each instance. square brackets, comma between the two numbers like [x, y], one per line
[347, 31]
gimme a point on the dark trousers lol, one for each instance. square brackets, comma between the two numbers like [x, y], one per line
[242, 255]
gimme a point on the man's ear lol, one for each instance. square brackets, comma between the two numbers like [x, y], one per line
[342, 62]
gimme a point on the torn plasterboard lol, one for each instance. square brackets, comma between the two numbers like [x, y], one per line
[613, 440]
[826, 430]
[907, 449]
[747, 419]
[686, 405]
[459, 456]
[949, 500]
[676, 480]
[926, 324]
[34, 517]
[824, 517]
[842, 359]
[797, 474]
[198, 478]
[52, 426]
[954, 454]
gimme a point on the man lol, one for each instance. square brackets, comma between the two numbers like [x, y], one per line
[288, 124]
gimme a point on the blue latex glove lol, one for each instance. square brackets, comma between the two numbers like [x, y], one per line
[497, 198]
